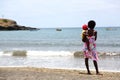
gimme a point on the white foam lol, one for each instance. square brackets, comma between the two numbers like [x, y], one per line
[38, 53]
[49, 53]
[5, 54]
[112, 54]
[1, 53]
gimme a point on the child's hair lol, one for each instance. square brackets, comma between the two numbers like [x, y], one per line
[91, 24]
[85, 27]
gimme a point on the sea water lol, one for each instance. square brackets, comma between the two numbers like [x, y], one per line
[48, 47]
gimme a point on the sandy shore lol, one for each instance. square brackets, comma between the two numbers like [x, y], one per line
[30, 73]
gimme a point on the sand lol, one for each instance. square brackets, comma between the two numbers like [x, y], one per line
[32, 73]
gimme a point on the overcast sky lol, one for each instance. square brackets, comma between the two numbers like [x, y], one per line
[61, 13]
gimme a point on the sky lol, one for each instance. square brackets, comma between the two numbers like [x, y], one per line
[61, 13]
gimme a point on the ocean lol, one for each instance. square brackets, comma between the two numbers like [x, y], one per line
[50, 48]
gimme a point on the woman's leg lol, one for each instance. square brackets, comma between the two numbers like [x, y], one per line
[87, 65]
[96, 66]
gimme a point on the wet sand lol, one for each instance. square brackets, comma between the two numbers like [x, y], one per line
[32, 73]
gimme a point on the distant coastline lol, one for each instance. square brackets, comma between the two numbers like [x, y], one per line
[8, 24]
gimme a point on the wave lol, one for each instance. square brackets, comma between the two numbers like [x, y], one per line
[36, 53]
[25, 53]
[108, 45]
[108, 53]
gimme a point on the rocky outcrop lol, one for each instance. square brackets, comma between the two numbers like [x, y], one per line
[7, 24]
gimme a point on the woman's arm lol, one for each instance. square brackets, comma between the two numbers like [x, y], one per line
[95, 35]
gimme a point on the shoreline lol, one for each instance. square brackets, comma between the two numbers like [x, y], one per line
[93, 70]
[34, 73]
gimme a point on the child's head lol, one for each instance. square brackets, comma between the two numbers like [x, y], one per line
[85, 27]
[91, 24]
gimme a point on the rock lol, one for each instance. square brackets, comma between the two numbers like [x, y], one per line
[7, 24]
[78, 54]
[19, 53]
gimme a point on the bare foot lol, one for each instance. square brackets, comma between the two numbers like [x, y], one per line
[89, 73]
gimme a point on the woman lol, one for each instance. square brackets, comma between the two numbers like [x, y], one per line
[91, 53]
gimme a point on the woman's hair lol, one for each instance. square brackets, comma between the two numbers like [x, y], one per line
[91, 24]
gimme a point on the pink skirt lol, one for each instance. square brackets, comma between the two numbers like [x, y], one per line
[92, 54]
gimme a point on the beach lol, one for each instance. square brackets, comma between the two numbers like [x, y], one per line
[33, 73]
[48, 54]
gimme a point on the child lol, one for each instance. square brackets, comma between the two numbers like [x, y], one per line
[91, 53]
[84, 35]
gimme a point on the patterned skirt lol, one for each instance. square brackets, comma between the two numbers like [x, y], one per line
[92, 54]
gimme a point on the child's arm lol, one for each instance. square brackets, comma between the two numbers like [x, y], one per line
[84, 37]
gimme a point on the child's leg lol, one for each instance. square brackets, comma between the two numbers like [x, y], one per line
[96, 66]
[87, 65]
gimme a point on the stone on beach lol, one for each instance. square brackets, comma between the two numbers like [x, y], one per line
[19, 53]
[78, 54]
